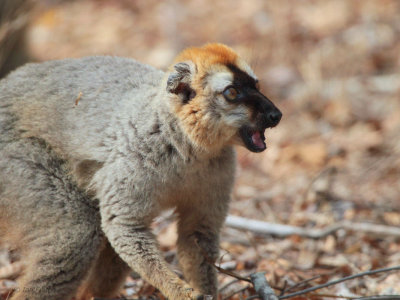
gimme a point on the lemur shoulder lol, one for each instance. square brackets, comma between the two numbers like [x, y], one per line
[92, 149]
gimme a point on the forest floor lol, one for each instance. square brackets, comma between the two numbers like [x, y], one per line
[333, 68]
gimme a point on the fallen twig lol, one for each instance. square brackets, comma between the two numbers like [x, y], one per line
[331, 296]
[301, 283]
[230, 273]
[286, 230]
[333, 282]
[381, 297]
[228, 284]
[235, 292]
[262, 287]
[212, 263]
[305, 281]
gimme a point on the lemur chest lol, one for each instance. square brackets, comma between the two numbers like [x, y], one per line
[183, 185]
[195, 183]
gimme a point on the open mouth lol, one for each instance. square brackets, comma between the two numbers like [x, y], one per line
[253, 139]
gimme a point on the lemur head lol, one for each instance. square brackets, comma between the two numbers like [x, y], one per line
[216, 97]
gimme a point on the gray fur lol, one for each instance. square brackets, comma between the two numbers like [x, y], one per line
[90, 152]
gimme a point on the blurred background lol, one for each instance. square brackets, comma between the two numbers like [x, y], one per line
[332, 67]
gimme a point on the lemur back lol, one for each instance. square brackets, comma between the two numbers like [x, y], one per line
[92, 149]
[77, 98]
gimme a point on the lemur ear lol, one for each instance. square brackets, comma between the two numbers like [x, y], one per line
[179, 81]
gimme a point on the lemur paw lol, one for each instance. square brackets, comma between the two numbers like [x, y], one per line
[195, 295]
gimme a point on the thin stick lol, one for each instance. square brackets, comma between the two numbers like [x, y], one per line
[303, 282]
[235, 292]
[227, 272]
[331, 296]
[283, 291]
[381, 297]
[333, 282]
[230, 273]
[228, 284]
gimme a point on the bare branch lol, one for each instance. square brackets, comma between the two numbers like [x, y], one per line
[235, 292]
[228, 284]
[262, 287]
[305, 281]
[227, 272]
[333, 282]
[286, 230]
[381, 297]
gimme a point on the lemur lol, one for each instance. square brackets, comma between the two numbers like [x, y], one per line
[92, 149]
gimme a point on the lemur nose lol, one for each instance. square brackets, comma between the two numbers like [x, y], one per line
[275, 116]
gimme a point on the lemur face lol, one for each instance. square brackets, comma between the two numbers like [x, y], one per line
[218, 101]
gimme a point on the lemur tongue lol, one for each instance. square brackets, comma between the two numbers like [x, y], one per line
[257, 140]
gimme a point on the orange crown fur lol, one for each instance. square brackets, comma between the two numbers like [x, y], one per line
[208, 55]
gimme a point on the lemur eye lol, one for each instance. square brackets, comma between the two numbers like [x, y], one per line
[230, 94]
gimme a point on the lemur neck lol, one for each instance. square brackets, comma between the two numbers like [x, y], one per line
[180, 136]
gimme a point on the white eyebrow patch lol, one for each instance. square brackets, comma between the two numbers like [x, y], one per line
[246, 68]
[220, 80]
